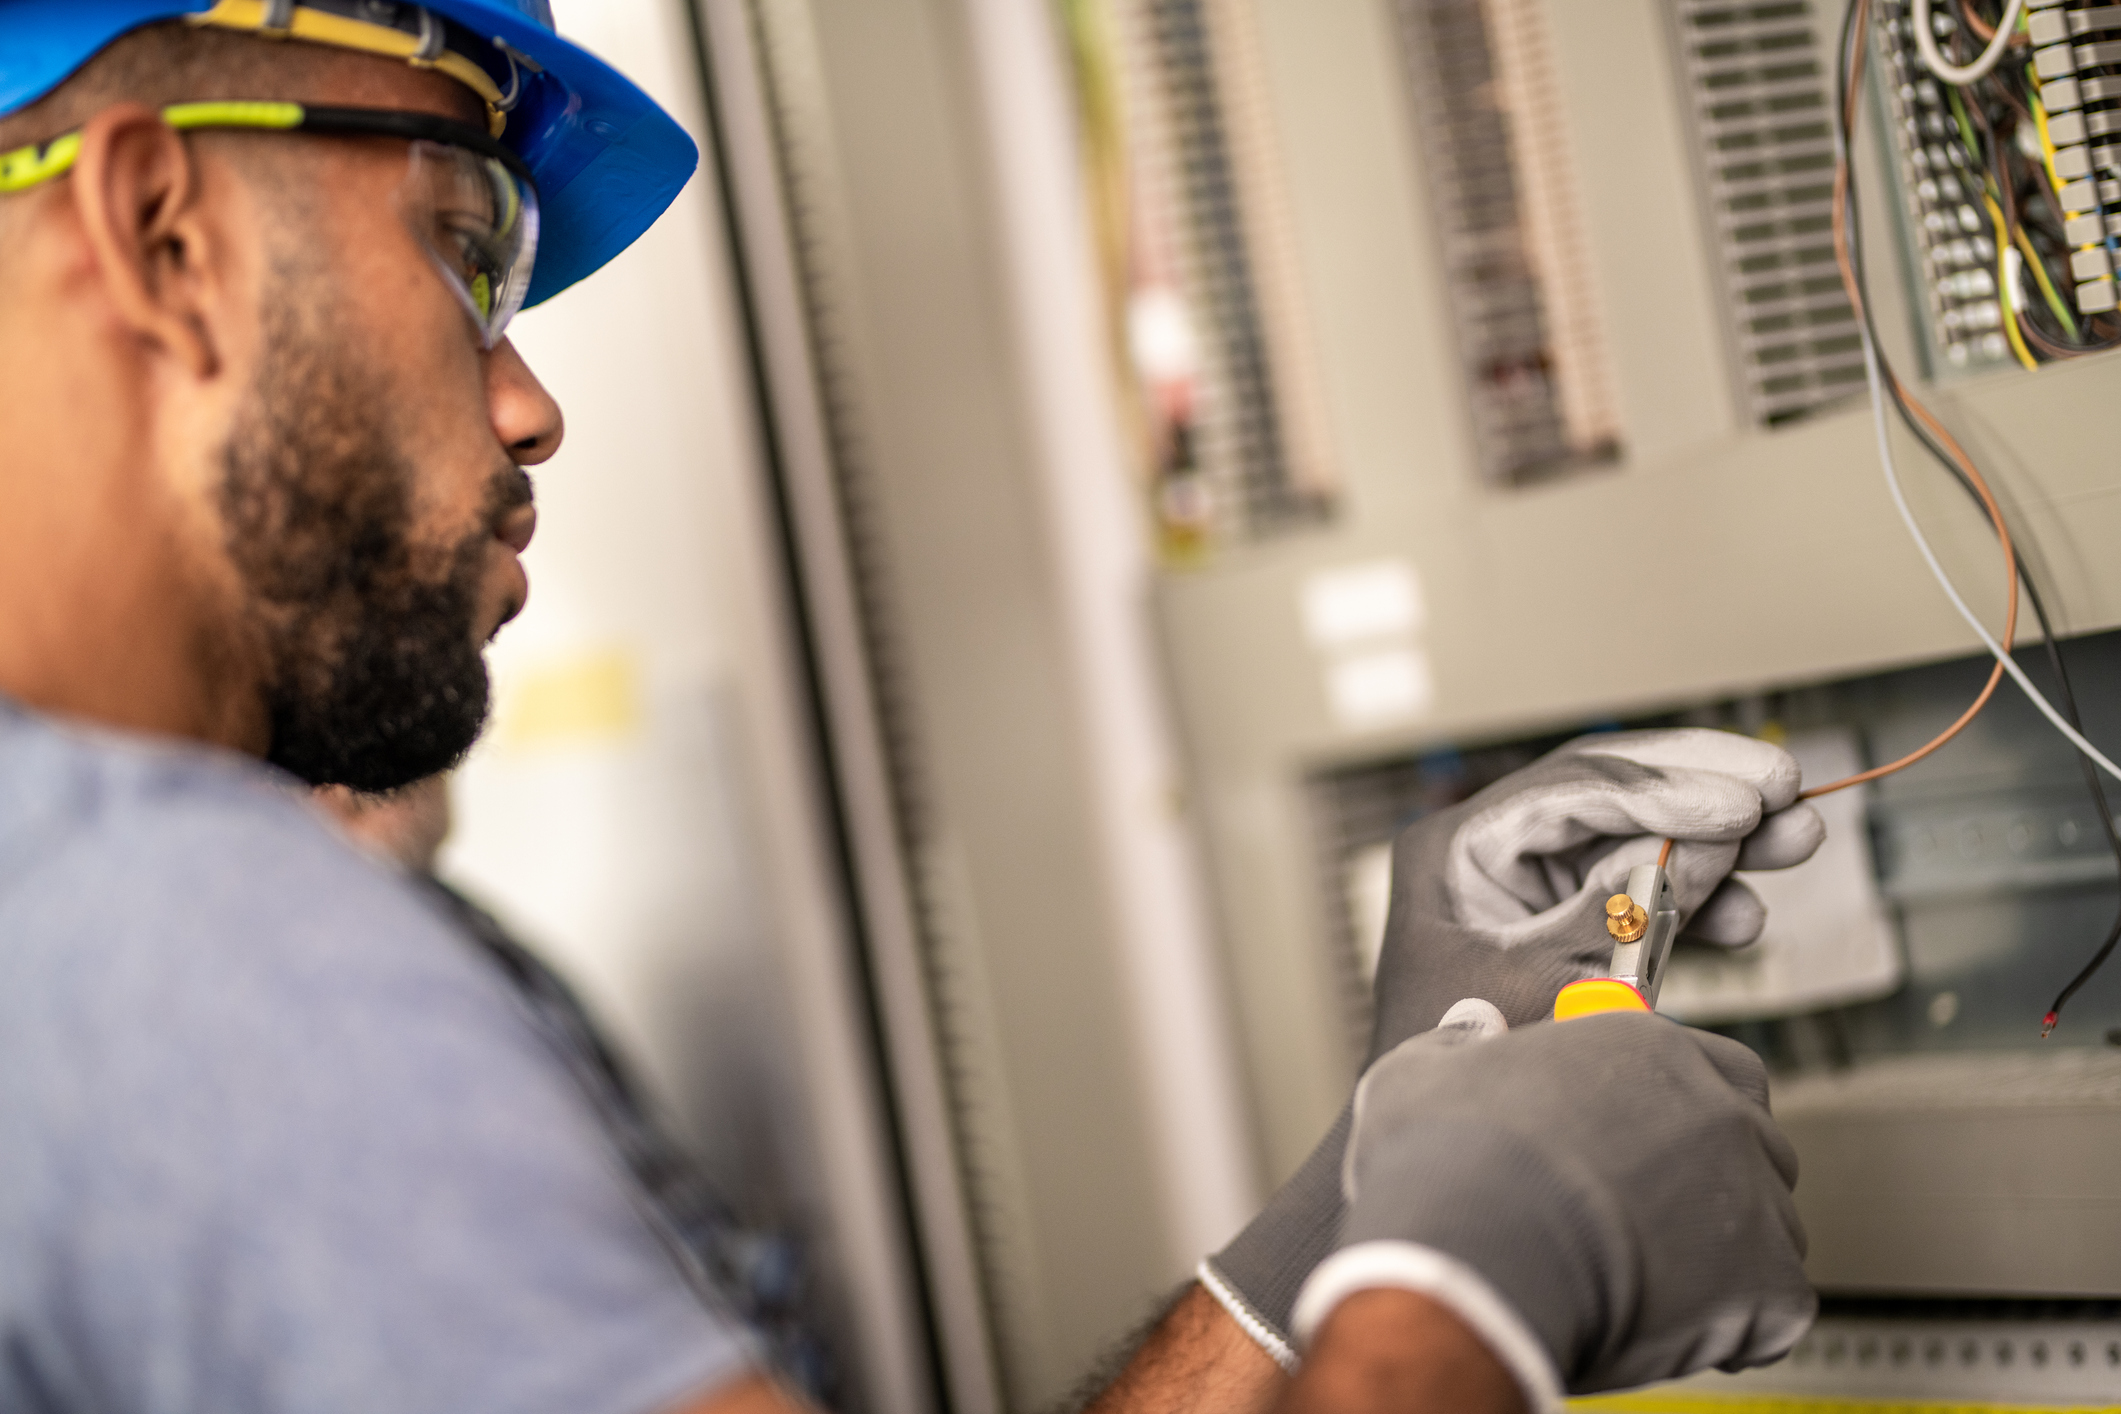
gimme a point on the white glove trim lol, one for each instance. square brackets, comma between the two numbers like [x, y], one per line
[1409, 1266]
[1263, 1335]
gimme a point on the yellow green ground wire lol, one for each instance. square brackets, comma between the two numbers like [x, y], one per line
[2003, 240]
[2005, 294]
[2004, 291]
[36, 164]
[1966, 125]
[2047, 141]
[1679, 1402]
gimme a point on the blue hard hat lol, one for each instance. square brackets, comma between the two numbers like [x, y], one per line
[608, 161]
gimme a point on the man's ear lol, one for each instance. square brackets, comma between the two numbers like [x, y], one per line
[140, 203]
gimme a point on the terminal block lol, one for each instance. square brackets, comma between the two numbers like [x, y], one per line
[2077, 57]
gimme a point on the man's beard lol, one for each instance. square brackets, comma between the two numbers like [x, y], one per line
[374, 675]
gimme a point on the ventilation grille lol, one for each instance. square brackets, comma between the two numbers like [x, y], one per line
[1502, 183]
[1760, 92]
[1239, 441]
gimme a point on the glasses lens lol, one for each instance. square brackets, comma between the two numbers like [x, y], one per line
[480, 222]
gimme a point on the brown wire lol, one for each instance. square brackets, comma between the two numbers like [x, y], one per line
[1985, 29]
[1935, 428]
[1929, 422]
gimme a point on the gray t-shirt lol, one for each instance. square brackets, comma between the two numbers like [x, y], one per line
[274, 1138]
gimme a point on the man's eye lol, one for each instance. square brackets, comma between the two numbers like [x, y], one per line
[464, 249]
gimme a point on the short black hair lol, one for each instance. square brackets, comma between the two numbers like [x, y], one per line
[158, 65]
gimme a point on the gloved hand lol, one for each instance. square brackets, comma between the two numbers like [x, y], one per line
[1604, 1199]
[1502, 897]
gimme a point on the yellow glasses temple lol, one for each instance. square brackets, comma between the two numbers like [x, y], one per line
[31, 166]
[25, 167]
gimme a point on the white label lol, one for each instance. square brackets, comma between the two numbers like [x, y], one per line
[1361, 603]
[1377, 689]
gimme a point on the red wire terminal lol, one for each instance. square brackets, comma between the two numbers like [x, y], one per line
[2047, 1025]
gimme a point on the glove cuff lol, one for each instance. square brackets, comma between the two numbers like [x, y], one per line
[1409, 1266]
[1257, 1275]
[1250, 1321]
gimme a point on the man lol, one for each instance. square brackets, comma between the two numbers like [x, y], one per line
[272, 1139]
[763, 1274]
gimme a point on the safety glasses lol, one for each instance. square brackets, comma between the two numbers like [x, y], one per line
[469, 200]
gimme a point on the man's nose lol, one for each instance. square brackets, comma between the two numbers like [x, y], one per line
[525, 417]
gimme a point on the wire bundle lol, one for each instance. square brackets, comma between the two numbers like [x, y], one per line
[1991, 97]
[2000, 133]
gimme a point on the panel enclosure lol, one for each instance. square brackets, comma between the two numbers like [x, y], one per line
[1717, 556]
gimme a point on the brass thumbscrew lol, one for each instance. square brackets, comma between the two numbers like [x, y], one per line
[1624, 919]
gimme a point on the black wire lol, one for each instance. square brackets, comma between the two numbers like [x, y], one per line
[1844, 120]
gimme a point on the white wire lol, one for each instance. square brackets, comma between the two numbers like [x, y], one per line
[1933, 58]
[1907, 517]
[1876, 379]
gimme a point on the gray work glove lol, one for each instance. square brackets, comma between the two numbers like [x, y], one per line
[1502, 897]
[1605, 1200]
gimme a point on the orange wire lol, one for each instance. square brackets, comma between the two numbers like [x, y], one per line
[1664, 854]
[1936, 430]
[1983, 30]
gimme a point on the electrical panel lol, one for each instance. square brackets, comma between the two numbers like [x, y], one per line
[1728, 556]
[1495, 381]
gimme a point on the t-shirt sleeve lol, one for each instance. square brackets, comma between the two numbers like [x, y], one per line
[286, 1143]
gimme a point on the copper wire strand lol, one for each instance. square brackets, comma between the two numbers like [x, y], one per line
[1984, 30]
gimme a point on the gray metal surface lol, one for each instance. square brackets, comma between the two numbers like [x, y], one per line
[2063, 1358]
[2036, 836]
[812, 449]
[920, 532]
[1976, 1174]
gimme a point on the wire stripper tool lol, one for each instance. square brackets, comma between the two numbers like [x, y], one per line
[1643, 922]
